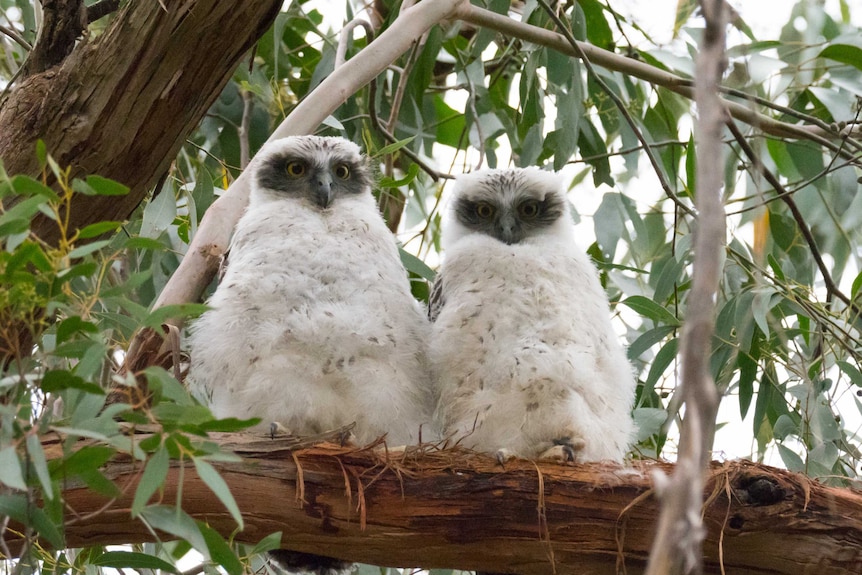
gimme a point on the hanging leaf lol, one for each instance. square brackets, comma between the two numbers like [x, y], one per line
[648, 308]
[214, 481]
[131, 560]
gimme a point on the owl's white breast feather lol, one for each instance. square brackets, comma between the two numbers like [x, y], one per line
[524, 351]
[314, 325]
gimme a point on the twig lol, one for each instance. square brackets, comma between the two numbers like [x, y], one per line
[392, 204]
[378, 124]
[678, 539]
[831, 287]
[576, 47]
[12, 33]
[347, 36]
[245, 124]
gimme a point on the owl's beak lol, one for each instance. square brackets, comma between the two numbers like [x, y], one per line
[323, 192]
[509, 230]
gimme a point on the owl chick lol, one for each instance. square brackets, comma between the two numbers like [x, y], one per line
[524, 355]
[313, 325]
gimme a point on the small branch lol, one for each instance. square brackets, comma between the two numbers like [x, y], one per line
[12, 33]
[346, 37]
[576, 47]
[378, 124]
[677, 547]
[393, 203]
[245, 123]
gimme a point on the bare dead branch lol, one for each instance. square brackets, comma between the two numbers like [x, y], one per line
[677, 546]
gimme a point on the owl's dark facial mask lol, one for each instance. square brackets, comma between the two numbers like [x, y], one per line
[320, 183]
[509, 222]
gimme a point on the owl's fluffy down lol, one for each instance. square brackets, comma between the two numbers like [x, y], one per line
[313, 325]
[524, 352]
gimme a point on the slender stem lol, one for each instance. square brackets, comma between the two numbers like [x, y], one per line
[831, 287]
[245, 124]
[12, 33]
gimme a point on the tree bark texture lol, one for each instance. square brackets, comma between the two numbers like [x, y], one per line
[449, 508]
[121, 105]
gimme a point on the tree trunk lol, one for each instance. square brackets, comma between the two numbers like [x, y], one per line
[121, 105]
[454, 509]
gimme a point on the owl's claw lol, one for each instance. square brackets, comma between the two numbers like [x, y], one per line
[347, 439]
[565, 449]
[503, 455]
[276, 428]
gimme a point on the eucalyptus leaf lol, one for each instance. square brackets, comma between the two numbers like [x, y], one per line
[132, 560]
[11, 470]
[214, 481]
[152, 479]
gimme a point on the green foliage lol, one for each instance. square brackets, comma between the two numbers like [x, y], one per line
[76, 304]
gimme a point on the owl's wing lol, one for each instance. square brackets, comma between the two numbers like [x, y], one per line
[436, 299]
[224, 259]
[222, 265]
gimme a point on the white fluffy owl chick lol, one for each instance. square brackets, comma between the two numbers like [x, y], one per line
[524, 355]
[313, 325]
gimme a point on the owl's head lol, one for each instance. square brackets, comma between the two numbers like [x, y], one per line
[313, 168]
[510, 205]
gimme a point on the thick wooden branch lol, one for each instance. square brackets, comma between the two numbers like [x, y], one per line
[451, 508]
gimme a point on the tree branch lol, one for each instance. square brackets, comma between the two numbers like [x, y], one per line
[677, 545]
[455, 509]
[63, 23]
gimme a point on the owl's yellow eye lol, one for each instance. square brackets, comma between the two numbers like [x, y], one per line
[484, 210]
[342, 171]
[295, 169]
[529, 209]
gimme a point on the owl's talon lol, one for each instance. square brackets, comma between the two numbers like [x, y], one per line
[347, 439]
[503, 455]
[276, 428]
[565, 449]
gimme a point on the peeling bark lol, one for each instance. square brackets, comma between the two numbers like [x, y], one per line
[454, 509]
